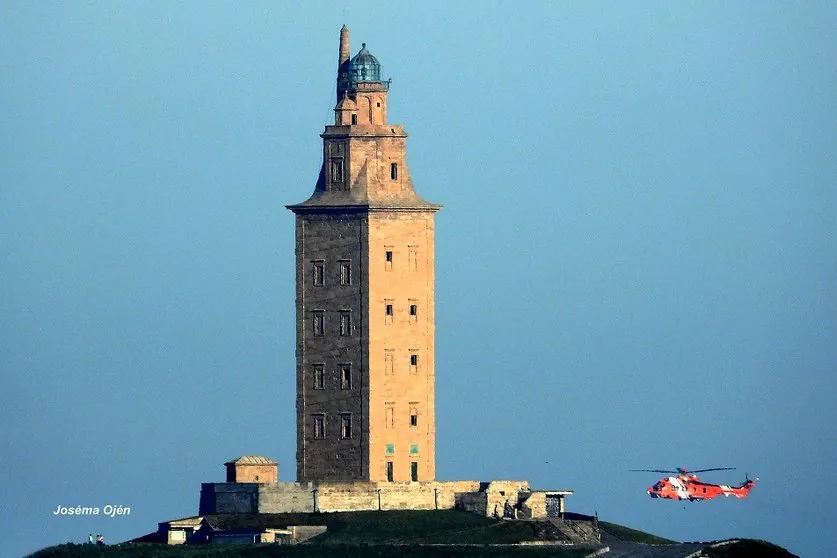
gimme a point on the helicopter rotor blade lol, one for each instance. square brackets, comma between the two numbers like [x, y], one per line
[652, 471]
[713, 469]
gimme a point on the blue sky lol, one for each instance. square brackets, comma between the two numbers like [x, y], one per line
[636, 262]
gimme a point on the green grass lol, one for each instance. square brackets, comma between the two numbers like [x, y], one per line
[404, 527]
[632, 535]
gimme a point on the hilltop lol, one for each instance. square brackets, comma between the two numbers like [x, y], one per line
[427, 533]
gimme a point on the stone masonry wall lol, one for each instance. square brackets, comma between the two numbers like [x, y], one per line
[293, 497]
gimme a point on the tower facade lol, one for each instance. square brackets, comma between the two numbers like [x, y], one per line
[364, 297]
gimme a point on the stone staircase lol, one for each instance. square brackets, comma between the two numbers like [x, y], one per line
[577, 531]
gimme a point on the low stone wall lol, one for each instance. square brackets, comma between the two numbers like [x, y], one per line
[285, 497]
[292, 497]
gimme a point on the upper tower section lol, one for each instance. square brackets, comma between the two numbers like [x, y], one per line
[364, 156]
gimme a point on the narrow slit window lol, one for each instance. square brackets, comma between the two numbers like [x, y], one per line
[345, 324]
[413, 260]
[393, 171]
[414, 471]
[319, 323]
[318, 273]
[319, 426]
[319, 376]
[354, 119]
[346, 426]
[389, 471]
[345, 272]
[345, 376]
[388, 363]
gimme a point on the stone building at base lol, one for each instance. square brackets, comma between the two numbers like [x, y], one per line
[497, 498]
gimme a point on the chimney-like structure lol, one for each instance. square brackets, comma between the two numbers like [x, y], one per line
[343, 64]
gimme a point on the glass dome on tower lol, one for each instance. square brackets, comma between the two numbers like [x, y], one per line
[364, 67]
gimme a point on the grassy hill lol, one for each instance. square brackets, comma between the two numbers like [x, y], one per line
[632, 535]
[395, 534]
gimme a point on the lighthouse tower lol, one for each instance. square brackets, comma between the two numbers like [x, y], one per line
[364, 297]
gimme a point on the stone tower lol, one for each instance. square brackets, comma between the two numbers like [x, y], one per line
[364, 297]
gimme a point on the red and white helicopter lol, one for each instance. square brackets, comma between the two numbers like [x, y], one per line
[685, 485]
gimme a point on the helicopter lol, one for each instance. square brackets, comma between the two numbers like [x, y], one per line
[685, 485]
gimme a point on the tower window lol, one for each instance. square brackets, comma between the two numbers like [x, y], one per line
[319, 323]
[319, 426]
[389, 256]
[414, 363]
[413, 448]
[414, 471]
[413, 259]
[345, 376]
[388, 363]
[345, 272]
[389, 471]
[388, 259]
[319, 376]
[390, 448]
[346, 426]
[413, 416]
[389, 309]
[393, 171]
[318, 273]
[390, 416]
[337, 170]
[345, 323]
[354, 119]
[414, 310]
